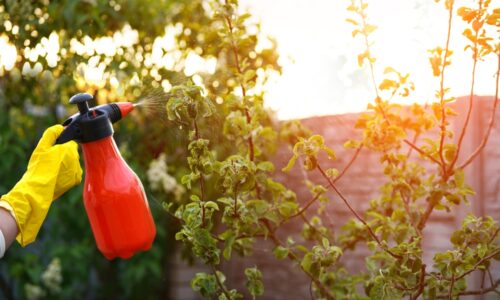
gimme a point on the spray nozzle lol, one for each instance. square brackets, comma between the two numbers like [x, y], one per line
[92, 124]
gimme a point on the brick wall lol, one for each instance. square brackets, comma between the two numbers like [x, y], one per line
[285, 281]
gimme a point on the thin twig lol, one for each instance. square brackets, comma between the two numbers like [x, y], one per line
[235, 197]
[311, 290]
[292, 256]
[301, 211]
[490, 276]
[484, 259]
[243, 89]
[494, 235]
[427, 214]
[202, 179]
[370, 231]
[482, 291]
[304, 218]
[219, 283]
[441, 91]
[416, 136]
[406, 205]
[414, 141]
[367, 45]
[483, 277]
[349, 164]
[490, 123]
[421, 152]
[471, 98]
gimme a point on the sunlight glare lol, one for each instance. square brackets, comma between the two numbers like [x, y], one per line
[319, 56]
[8, 54]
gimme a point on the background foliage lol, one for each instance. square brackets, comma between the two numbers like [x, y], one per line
[64, 261]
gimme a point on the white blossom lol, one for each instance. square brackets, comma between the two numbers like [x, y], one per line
[159, 179]
[33, 292]
[52, 277]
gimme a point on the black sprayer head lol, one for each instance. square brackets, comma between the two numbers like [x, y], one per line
[89, 124]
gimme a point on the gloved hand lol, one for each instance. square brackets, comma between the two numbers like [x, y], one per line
[52, 170]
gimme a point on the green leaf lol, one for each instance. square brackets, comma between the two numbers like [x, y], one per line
[332, 173]
[287, 209]
[331, 154]
[228, 246]
[318, 140]
[349, 20]
[352, 144]
[370, 28]
[249, 75]
[205, 284]
[260, 206]
[254, 281]
[179, 236]
[280, 252]
[212, 205]
[265, 166]
[309, 264]
[450, 151]
[290, 164]
[459, 177]
[481, 250]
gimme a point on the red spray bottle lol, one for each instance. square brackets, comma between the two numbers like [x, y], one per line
[113, 195]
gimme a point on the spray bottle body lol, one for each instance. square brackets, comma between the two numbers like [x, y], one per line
[113, 195]
[115, 202]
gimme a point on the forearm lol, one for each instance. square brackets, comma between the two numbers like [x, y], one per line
[8, 226]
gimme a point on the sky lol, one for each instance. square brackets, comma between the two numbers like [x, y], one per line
[319, 56]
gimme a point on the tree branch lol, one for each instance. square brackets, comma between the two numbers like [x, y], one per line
[450, 297]
[421, 283]
[426, 215]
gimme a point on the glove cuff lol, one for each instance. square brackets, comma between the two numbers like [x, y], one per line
[5, 205]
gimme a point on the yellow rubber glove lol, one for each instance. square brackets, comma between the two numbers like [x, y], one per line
[52, 170]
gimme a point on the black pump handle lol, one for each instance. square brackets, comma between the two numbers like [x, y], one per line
[81, 100]
[84, 127]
